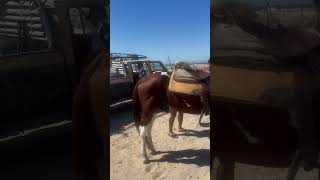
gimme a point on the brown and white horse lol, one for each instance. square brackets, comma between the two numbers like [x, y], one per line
[148, 95]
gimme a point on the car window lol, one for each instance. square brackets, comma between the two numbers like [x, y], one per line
[117, 70]
[156, 66]
[23, 31]
[80, 20]
[136, 69]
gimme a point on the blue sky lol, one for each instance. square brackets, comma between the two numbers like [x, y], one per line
[179, 29]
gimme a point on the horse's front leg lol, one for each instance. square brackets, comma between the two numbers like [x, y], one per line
[143, 140]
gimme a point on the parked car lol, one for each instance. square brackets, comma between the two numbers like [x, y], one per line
[39, 75]
[124, 74]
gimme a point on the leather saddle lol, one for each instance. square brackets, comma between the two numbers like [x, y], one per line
[184, 82]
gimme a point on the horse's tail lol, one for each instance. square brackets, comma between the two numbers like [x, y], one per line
[136, 107]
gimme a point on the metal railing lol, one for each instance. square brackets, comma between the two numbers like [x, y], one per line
[125, 56]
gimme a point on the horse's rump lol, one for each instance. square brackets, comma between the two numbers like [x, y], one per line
[136, 105]
[148, 94]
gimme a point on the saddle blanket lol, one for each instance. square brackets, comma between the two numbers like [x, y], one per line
[184, 84]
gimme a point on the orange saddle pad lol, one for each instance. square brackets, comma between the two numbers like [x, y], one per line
[190, 88]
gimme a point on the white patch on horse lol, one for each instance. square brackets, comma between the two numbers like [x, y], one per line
[146, 140]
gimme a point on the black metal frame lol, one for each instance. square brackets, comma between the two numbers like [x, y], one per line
[125, 56]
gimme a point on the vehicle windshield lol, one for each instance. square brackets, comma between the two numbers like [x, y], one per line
[137, 66]
[156, 66]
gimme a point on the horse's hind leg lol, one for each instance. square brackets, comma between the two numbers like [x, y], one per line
[151, 146]
[149, 137]
[143, 135]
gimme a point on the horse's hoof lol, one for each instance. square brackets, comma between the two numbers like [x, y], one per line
[182, 130]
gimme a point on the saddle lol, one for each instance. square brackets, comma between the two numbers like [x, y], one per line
[184, 82]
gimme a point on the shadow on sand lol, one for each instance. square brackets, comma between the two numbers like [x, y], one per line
[199, 157]
[199, 134]
[205, 124]
[122, 116]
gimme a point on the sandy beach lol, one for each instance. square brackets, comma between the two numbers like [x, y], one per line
[185, 157]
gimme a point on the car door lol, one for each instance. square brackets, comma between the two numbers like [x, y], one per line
[120, 82]
[35, 84]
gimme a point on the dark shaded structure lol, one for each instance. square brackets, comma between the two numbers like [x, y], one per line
[265, 75]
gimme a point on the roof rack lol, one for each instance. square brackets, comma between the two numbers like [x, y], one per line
[124, 56]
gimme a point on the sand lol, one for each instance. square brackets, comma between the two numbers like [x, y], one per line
[248, 171]
[185, 157]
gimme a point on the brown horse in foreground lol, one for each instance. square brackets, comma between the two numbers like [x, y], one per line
[148, 95]
[90, 135]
